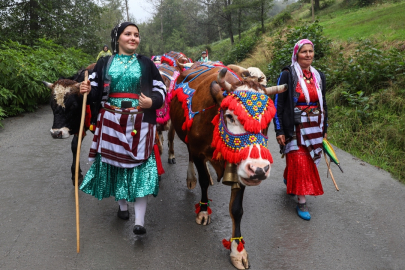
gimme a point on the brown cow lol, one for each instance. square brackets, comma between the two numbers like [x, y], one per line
[247, 165]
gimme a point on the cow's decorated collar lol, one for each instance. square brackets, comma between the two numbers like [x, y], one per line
[235, 147]
[253, 109]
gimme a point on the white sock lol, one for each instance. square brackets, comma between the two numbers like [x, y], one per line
[301, 199]
[123, 204]
[140, 210]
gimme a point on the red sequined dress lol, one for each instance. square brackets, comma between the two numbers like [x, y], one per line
[301, 172]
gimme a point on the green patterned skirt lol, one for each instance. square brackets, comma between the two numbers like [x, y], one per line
[104, 180]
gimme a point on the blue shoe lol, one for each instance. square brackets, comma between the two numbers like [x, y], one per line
[302, 211]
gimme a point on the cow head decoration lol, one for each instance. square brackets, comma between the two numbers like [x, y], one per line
[241, 126]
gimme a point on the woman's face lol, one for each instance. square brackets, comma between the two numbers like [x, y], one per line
[305, 56]
[128, 40]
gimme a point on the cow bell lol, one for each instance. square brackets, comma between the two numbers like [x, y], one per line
[230, 177]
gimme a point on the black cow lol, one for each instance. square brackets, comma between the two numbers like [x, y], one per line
[66, 103]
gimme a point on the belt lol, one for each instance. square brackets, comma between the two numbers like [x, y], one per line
[304, 104]
[124, 95]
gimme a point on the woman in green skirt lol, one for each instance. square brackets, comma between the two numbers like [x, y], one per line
[128, 88]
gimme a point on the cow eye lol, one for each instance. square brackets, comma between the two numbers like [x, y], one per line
[230, 118]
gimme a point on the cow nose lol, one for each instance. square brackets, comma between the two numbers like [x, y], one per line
[57, 134]
[259, 172]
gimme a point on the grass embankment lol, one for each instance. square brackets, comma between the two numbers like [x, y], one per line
[384, 23]
[366, 121]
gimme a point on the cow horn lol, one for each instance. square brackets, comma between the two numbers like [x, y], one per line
[276, 89]
[47, 84]
[180, 65]
[222, 82]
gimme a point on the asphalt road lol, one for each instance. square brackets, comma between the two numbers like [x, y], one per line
[360, 227]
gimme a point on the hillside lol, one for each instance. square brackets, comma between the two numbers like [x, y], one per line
[366, 107]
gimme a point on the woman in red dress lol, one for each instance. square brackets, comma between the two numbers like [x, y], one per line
[301, 124]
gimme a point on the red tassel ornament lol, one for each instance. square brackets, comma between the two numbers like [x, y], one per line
[226, 243]
[198, 207]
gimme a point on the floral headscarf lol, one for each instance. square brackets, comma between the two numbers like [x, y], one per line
[315, 73]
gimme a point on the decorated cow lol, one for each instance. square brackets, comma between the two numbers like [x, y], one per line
[66, 103]
[223, 119]
[169, 69]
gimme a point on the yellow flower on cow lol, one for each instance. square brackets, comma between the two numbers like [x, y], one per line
[237, 141]
[255, 108]
[259, 104]
[262, 97]
[249, 102]
[252, 139]
[254, 97]
[227, 138]
[243, 94]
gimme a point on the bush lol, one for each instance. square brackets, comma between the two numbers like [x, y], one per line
[368, 70]
[23, 68]
[283, 46]
[281, 18]
[241, 50]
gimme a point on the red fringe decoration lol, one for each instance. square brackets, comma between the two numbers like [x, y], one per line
[231, 155]
[265, 153]
[158, 160]
[183, 99]
[255, 152]
[87, 117]
[166, 60]
[226, 243]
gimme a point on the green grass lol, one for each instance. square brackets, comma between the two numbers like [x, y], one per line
[380, 22]
[378, 139]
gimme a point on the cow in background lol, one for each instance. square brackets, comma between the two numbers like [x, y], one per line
[200, 92]
[66, 103]
[168, 65]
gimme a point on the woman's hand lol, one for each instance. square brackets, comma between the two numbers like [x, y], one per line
[85, 87]
[145, 102]
[281, 140]
[325, 136]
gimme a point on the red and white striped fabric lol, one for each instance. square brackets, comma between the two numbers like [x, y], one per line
[311, 136]
[113, 139]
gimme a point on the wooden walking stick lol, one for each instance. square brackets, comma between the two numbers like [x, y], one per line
[79, 144]
[330, 171]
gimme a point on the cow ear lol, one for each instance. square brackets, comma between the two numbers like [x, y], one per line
[216, 92]
[245, 74]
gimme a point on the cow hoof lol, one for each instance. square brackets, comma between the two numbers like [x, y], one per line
[172, 160]
[203, 218]
[239, 259]
[191, 183]
[80, 180]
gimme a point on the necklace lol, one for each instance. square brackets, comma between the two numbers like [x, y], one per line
[307, 80]
[122, 61]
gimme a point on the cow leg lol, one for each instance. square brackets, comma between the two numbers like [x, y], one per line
[160, 143]
[170, 139]
[239, 256]
[74, 152]
[204, 214]
[191, 176]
